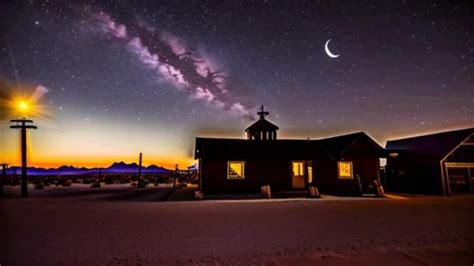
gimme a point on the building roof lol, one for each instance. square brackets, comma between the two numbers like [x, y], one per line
[245, 149]
[294, 149]
[337, 146]
[432, 146]
[262, 125]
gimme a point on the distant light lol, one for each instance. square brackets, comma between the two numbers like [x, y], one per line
[23, 105]
[27, 105]
[393, 155]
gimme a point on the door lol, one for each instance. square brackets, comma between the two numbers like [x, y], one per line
[297, 180]
[460, 179]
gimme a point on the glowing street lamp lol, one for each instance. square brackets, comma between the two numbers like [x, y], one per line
[23, 105]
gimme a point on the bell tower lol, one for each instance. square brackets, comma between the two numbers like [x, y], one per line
[262, 129]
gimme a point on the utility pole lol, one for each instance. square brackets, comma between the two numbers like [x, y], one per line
[175, 176]
[139, 169]
[4, 177]
[99, 179]
[23, 124]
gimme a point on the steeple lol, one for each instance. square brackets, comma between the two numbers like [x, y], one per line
[262, 129]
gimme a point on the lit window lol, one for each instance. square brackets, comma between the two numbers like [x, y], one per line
[345, 170]
[298, 169]
[310, 174]
[235, 170]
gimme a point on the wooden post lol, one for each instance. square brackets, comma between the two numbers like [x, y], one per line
[200, 175]
[139, 169]
[470, 178]
[175, 176]
[448, 182]
[359, 183]
[379, 191]
[23, 125]
[3, 178]
[24, 178]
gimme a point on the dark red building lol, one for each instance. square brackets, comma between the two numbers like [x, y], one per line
[346, 164]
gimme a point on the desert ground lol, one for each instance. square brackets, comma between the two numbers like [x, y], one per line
[118, 226]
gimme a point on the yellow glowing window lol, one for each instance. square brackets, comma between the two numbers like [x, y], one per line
[298, 169]
[236, 170]
[345, 170]
[310, 174]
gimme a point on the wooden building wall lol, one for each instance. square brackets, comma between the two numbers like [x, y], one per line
[403, 175]
[325, 174]
[365, 164]
[276, 173]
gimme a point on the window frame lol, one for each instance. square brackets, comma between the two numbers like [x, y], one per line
[339, 163]
[228, 170]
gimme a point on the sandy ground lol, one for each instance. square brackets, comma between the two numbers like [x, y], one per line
[81, 228]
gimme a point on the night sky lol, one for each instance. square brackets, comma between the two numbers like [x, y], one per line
[138, 76]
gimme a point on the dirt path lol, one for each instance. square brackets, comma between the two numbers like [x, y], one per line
[420, 231]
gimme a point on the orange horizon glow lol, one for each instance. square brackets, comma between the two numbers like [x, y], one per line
[36, 158]
[12, 157]
[103, 162]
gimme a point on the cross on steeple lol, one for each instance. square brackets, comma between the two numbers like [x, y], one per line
[262, 112]
[262, 129]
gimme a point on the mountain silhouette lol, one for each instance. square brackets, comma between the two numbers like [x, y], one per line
[116, 168]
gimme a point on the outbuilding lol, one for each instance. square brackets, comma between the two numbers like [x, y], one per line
[440, 163]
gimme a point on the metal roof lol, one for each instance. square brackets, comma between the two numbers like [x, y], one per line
[294, 149]
[433, 146]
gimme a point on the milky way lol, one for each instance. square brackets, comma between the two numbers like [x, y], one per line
[176, 62]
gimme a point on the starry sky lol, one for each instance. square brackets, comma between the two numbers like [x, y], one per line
[113, 79]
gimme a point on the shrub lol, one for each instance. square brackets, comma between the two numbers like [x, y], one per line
[143, 183]
[181, 185]
[15, 182]
[108, 180]
[124, 180]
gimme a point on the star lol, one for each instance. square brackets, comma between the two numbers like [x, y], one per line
[122, 63]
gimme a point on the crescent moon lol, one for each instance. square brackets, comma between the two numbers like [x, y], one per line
[326, 48]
